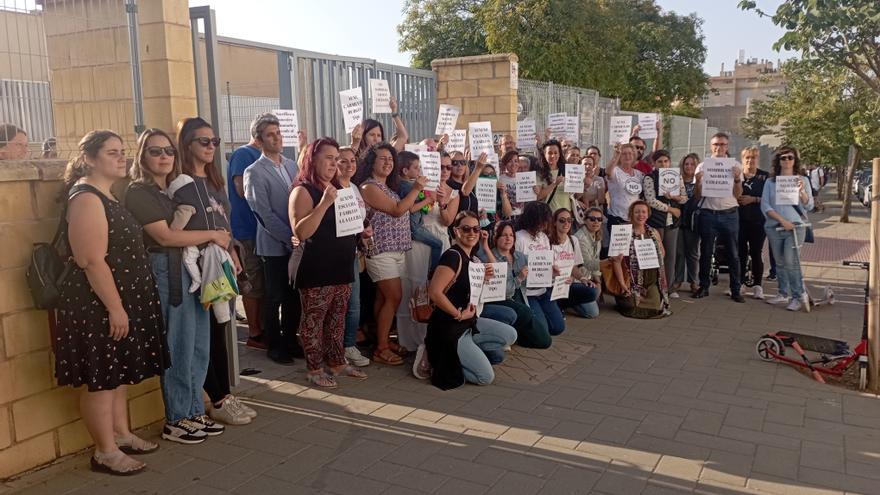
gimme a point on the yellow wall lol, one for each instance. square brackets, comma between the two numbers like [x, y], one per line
[480, 86]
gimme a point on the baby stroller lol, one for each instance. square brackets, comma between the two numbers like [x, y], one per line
[720, 261]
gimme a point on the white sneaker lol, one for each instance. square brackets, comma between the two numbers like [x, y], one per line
[353, 356]
[421, 367]
[243, 407]
[805, 300]
[674, 295]
[777, 299]
[794, 305]
[758, 292]
[229, 414]
[727, 292]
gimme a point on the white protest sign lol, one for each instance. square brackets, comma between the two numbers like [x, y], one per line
[561, 285]
[289, 126]
[557, 122]
[430, 165]
[646, 253]
[476, 273]
[486, 194]
[717, 177]
[572, 129]
[415, 148]
[787, 191]
[514, 75]
[648, 125]
[380, 96]
[525, 134]
[352, 101]
[670, 182]
[447, 116]
[349, 218]
[540, 268]
[574, 178]
[492, 159]
[457, 140]
[621, 126]
[496, 288]
[480, 134]
[621, 235]
[525, 186]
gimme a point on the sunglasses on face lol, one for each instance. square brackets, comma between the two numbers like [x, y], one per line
[594, 219]
[206, 141]
[459, 163]
[446, 167]
[563, 220]
[468, 229]
[640, 148]
[784, 158]
[157, 151]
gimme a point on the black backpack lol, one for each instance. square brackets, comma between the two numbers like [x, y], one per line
[48, 268]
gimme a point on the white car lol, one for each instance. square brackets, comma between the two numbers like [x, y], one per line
[867, 196]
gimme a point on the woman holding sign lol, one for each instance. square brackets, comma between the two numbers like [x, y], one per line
[553, 173]
[582, 293]
[370, 133]
[531, 239]
[388, 214]
[455, 348]
[465, 184]
[324, 274]
[785, 201]
[624, 183]
[646, 295]
[663, 193]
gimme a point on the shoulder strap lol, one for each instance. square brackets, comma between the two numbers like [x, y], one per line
[457, 272]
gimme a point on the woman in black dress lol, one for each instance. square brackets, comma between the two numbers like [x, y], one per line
[110, 328]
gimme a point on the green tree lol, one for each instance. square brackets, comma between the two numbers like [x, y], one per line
[441, 29]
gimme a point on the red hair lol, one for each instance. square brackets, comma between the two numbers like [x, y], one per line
[308, 174]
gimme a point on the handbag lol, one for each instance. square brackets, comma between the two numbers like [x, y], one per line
[48, 269]
[613, 286]
[420, 305]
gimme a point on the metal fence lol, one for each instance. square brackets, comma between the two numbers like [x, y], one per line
[538, 99]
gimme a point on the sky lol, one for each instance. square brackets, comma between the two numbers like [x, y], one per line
[370, 31]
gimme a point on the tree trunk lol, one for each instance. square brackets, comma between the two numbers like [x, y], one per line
[854, 156]
[841, 179]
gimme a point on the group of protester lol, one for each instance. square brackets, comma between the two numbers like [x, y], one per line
[132, 306]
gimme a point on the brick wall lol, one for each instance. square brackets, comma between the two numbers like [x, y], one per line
[481, 87]
[39, 421]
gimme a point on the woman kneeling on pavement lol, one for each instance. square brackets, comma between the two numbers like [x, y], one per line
[457, 349]
[583, 293]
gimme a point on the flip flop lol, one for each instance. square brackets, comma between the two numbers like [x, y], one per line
[398, 349]
[351, 372]
[100, 467]
[387, 356]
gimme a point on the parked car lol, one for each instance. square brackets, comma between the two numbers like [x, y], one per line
[866, 198]
[864, 180]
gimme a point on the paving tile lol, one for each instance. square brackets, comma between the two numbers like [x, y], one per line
[461, 487]
[679, 468]
[517, 484]
[745, 418]
[727, 468]
[622, 480]
[329, 480]
[517, 462]
[570, 480]
[615, 430]
[482, 474]
[782, 463]
[823, 456]
[703, 422]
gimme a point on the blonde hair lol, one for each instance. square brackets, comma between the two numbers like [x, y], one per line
[748, 150]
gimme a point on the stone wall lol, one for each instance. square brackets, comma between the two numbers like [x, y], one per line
[39, 421]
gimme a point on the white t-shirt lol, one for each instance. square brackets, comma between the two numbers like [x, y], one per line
[526, 243]
[718, 204]
[623, 190]
[568, 253]
[816, 176]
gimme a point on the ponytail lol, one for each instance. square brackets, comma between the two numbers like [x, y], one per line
[77, 168]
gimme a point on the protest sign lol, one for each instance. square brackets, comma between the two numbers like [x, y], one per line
[415, 148]
[540, 268]
[646, 253]
[496, 288]
[486, 190]
[648, 125]
[349, 219]
[561, 284]
[289, 127]
[525, 134]
[621, 126]
[621, 235]
[447, 116]
[352, 101]
[514, 75]
[476, 274]
[525, 186]
[574, 178]
[380, 96]
[480, 134]
[457, 139]
[787, 190]
[429, 162]
[670, 182]
[557, 122]
[717, 177]
[572, 129]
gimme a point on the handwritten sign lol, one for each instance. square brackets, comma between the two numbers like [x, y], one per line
[557, 122]
[349, 217]
[486, 194]
[457, 140]
[525, 186]
[496, 288]
[621, 126]
[572, 129]
[574, 178]
[525, 134]
[540, 268]
[415, 148]
[787, 190]
[492, 159]
[718, 177]
[352, 101]
[648, 125]
[380, 95]
[561, 285]
[514, 75]
[289, 126]
[480, 134]
[646, 253]
[476, 274]
[670, 182]
[430, 164]
[621, 235]
[447, 116]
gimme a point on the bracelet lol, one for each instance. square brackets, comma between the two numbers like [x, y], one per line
[394, 115]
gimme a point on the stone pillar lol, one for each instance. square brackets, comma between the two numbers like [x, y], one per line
[90, 71]
[481, 86]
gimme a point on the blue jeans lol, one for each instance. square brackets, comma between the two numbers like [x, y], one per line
[353, 315]
[726, 227]
[582, 300]
[547, 312]
[421, 234]
[499, 313]
[473, 349]
[788, 261]
[189, 343]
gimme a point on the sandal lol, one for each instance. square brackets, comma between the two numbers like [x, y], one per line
[116, 464]
[398, 349]
[322, 380]
[135, 445]
[387, 356]
[350, 371]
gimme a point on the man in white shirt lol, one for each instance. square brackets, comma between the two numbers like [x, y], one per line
[817, 181]
[719, 217]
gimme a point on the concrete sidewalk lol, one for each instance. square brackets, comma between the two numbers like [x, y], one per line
[616, 406]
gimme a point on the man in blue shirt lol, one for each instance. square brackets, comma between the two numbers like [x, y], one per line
[244, 230]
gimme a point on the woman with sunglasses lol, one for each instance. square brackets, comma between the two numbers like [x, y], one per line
[186, 321]
[582, 293]
[379, 179]
[464, 182]
[589, 238]
[456, 348]
[785, 228]
[531, 235]
[645, 297]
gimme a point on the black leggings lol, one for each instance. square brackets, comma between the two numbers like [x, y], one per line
[217, 379]
[751, 241]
